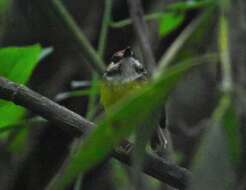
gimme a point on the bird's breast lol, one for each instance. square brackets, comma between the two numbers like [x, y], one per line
[112, 93]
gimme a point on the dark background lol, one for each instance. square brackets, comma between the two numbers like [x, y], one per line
[190, 104]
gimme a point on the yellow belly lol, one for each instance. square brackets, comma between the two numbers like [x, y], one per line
[112, 93]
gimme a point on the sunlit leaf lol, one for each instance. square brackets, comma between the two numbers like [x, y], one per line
[10, 113]
[168, 22]
[16, 64]
[3, 5]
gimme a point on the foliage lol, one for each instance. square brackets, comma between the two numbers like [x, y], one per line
[169, 21]
[17, 64]
[218, 152]
[129, 113]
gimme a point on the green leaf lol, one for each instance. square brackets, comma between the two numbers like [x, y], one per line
[10, 113]
[16, 64]
[126, 114]
[231, 127]
[3, 6]
[226, 115]
[168, 22]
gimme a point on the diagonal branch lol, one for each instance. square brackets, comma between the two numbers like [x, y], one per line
[141, 30]
[158, 168]
[86, 48]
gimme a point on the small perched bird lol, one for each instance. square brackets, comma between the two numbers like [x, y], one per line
[124, 74]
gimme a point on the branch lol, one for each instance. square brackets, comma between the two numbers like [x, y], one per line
[158, 168]
[86, 48]
[141, 30]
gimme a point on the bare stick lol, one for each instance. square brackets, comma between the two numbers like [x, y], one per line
[172, 51]
[141, 31]
[89, 52]
[158, 168]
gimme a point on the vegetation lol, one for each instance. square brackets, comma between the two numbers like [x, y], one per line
[194, 51]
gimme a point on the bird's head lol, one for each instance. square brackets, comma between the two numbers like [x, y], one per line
[124, 67]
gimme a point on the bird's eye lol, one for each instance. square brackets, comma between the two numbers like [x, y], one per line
[115, 59]
[128, 52]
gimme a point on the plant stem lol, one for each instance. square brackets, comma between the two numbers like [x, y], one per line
[172, 51]
[89, 52]
[104, 28]
[101, 49]
[173, 8]
[128, 21]
[142, 33]
[223, 44]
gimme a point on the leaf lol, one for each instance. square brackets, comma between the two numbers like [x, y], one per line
[10, 113]
[219, 151]
[231, 126]
[128, 113]
[168, 22]
[16, 64]
[3, 6]
[212, 168]
[226, 115]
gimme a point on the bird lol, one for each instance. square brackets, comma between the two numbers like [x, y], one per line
[124, 74]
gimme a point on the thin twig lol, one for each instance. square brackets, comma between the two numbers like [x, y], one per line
[91, 108]
[224, 48]
[141, 31]
[158, 168]
[86, 48]
[76, 85]
[127, 22]
[172, 51]
[105, 27]
[170, 8]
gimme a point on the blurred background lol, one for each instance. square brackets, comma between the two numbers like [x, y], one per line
[207, 134]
